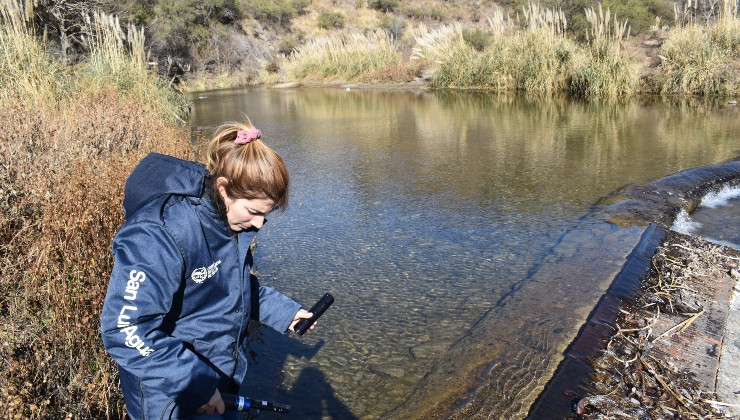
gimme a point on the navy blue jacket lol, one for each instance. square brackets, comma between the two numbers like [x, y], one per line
[180, 294]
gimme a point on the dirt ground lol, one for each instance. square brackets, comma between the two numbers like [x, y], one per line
[663, 360]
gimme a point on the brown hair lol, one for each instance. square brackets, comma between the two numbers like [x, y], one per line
[253, 170]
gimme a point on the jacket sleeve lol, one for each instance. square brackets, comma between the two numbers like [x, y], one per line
[146, 287]
[271, 307]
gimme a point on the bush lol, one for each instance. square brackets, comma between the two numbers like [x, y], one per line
[300, 6]
[330, 20]
[343, 55]
[702, 60]
[278, 11]
[393, 25]
[192, 19]
[272, 67]
[384, 5]
[640, 14]
[394, 73]
[476, 38]
[287, 46]
[57, 227]
[605, 72]
[539, 59]
[415, 13]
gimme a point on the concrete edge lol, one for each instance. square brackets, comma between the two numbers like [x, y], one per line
[601, 324]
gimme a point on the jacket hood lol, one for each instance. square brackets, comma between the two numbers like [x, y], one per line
[159, 174]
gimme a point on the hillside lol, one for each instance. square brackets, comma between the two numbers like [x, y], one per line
[256, 48]
[500, 45]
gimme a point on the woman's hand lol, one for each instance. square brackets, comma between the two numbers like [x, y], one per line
[301, 314]
[214, 405]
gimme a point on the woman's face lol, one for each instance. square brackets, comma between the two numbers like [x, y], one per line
[245, 213]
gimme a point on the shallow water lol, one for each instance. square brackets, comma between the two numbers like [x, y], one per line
[446, 225]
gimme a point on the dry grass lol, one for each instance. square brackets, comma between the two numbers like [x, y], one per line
[26, 71]
[66, 146]
[116, 61]
[539, 58]
[62, 170]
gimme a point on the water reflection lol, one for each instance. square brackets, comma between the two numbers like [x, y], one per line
[450, 228]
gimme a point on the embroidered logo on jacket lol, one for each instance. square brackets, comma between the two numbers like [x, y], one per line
[199, 275]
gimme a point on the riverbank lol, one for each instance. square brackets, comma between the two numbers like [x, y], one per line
[643, 52]
[533, 56]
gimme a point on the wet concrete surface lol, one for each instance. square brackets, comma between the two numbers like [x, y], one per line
[489, 377]
[574, 370]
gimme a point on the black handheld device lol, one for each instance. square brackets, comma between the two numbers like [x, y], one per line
[319, 308]
[239, 403]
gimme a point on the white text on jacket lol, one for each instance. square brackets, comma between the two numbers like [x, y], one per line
[132, 340]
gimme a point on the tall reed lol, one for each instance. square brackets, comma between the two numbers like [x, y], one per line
[703, 59]
[343, 56]
[26, 69]
[606, 72]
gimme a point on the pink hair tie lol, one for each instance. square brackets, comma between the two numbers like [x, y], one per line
[245, 136]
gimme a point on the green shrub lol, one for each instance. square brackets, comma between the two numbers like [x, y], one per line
[287, 46]
[192, 19]
[438, 13]
[476, 38]
[277, 11]
[393, 25]
[639, 13]
[272, 67]
[330, 20]
[300, 6]
[417, 13]
[384, 5]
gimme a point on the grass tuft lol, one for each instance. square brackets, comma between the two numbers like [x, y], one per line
[539, 59]
[343, 56]
[606, 73]
[703, 59]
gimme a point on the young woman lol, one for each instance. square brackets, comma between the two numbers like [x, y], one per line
[181, 293]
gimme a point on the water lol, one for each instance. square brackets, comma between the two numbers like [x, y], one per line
[456, 232]
[716, 218]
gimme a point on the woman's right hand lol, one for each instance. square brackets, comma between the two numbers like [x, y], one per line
[214, 405]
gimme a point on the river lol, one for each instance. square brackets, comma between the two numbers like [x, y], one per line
[456, 231]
